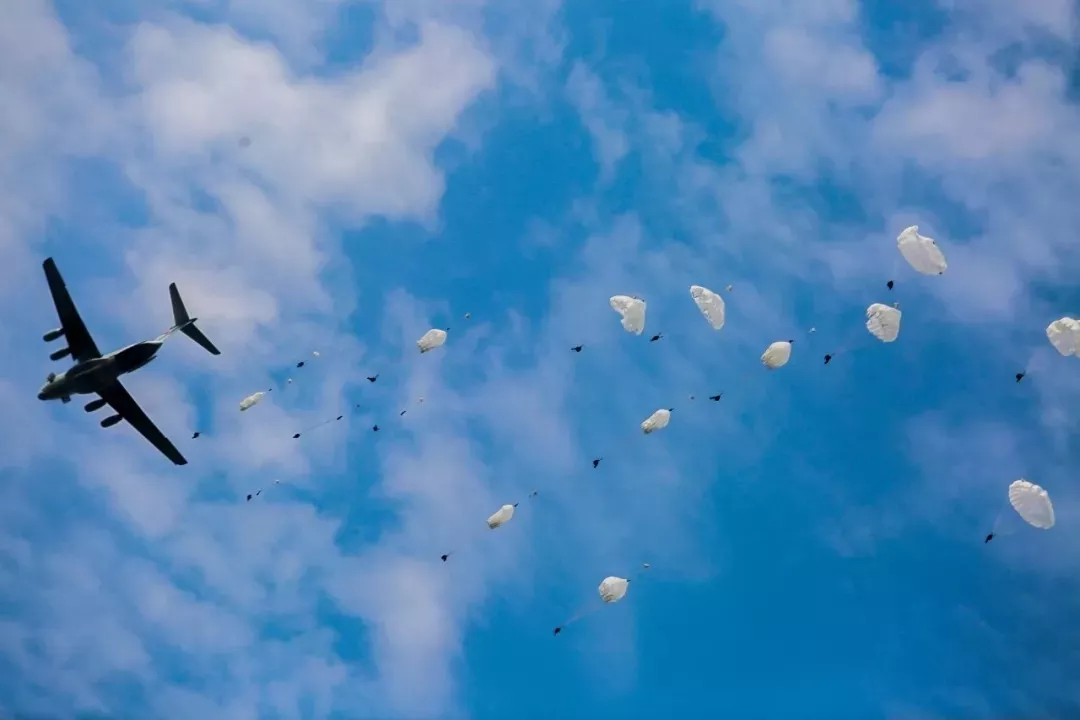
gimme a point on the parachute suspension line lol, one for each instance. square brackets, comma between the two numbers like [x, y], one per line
[612, 590]
[893, 272]
[499, 518]
[316, 426]
[850, 343]
[583, 611]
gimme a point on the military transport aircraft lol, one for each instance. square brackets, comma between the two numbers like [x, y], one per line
[94, 373]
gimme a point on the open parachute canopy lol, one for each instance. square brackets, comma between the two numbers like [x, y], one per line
[613, 589]
[777, 354]
[1032, 503]
[430, 340]
[632, 311]
[657, 421]
[1064, 335]
[252, 400]
[501, 516]
[710, 304]
[921, 252]
[883, 322]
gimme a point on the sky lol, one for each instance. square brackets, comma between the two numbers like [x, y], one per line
[337, 177]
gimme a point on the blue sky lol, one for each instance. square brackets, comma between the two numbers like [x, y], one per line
[815, 539]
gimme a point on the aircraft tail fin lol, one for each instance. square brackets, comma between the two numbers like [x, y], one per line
[186, 323]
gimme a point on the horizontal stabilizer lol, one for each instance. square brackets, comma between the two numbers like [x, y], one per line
[186, 323]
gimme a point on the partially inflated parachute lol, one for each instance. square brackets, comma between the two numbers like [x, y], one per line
[613, 589]
[921, 252]
[883, 322]
[251, 400]
[632, 310]
[1032, 503]
[710, 304]
[777, 354]
[1064, 335]
[501, 516]
[657, 421]
[430, 340]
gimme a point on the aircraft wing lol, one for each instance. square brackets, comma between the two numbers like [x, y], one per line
[78, 337]
[126, 407]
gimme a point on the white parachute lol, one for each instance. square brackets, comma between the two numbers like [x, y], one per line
[776, 355]
[613, 589]
[1032, 503]
[1064, 335]
[501, 516]
[883, 322]
[921, 252]
[251, 400]
[430, 340]
[710, 304]
[657, 421]
[632, 310]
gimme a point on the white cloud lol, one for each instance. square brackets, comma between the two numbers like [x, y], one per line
[603, 119]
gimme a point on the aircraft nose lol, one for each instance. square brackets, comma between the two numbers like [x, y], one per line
[41, 393]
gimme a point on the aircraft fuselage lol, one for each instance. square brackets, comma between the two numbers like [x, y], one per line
[90, 376]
